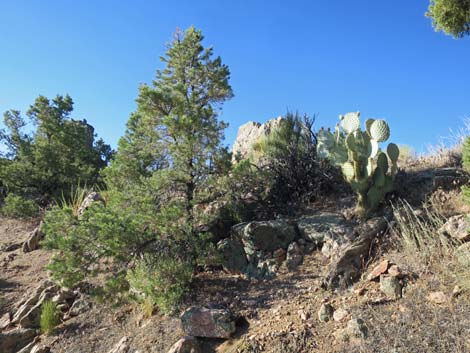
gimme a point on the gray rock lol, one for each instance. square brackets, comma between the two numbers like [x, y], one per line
[457, 227]
[249, 134]
[210, 323]
[266, 235]
[391, 286]
[233, 255]
[357, 328]
[14, 340]
[314, 228]
[186, 344]
[325, 313]
[33, 240]
[79, 306]
[294, 256]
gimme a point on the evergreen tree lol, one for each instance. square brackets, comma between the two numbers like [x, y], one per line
[58, 155]
[167, 163]
[450, 16]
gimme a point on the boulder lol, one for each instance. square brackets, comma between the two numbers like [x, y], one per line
[14, 340]
[315, 228]
[249, 134]
[294, 256]
[347, 267]
[210, 323]
[265, 235]
[457, 227]
[33, 240]
[186, 344]
[233, 255]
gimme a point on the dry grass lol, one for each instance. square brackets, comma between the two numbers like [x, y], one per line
[446, 154]
[427, 251]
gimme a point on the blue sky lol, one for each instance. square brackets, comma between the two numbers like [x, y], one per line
[320, 57]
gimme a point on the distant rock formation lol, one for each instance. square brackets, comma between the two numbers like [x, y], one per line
[250, 133]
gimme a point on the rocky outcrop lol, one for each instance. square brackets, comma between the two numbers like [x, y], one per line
[259, 248]
[265, 236]
[249, 134]
[347, 268]
[209, 323]
[32, 242]
[14, 340]
[233, 255]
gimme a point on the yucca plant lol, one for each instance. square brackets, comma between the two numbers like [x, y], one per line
[49, 317]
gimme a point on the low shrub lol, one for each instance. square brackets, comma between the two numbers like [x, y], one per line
[161, 281]
[18, 207]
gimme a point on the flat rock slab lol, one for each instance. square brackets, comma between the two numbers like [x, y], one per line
[265, 235]
[210, 323]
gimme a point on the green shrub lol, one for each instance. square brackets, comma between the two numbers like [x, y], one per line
[161, 280]
[17, 206]
[50, 317]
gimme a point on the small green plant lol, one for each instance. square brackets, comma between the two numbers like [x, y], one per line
[18, 207]
[160, 281]
[49, 317]
[364, 166]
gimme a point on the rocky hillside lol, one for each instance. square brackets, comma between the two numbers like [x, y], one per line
[321, 280]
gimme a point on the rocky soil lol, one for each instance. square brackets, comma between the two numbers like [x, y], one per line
[328, 285]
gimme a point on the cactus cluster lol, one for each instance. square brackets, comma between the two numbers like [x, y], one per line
[364, 166]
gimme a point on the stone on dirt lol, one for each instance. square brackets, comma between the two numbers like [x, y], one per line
[210, 323]
[294, 256]
[186, 344]
[33, 240]
[122, 346]
[378, 270]
[325, 313]
[391, 286]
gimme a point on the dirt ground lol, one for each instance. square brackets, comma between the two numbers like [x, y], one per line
[279, 315]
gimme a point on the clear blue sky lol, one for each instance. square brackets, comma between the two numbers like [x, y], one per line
[327, 57]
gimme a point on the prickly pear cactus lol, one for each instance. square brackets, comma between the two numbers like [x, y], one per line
[369, 171]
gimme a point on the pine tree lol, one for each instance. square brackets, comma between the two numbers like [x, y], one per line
[167, 163]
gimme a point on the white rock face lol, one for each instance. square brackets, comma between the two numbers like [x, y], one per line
[249, 133]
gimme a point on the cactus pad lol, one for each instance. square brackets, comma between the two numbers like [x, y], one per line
[379, 130]
[393, 152]
[348, 170]
[382, 162]
[369, 124]
[350, 122]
